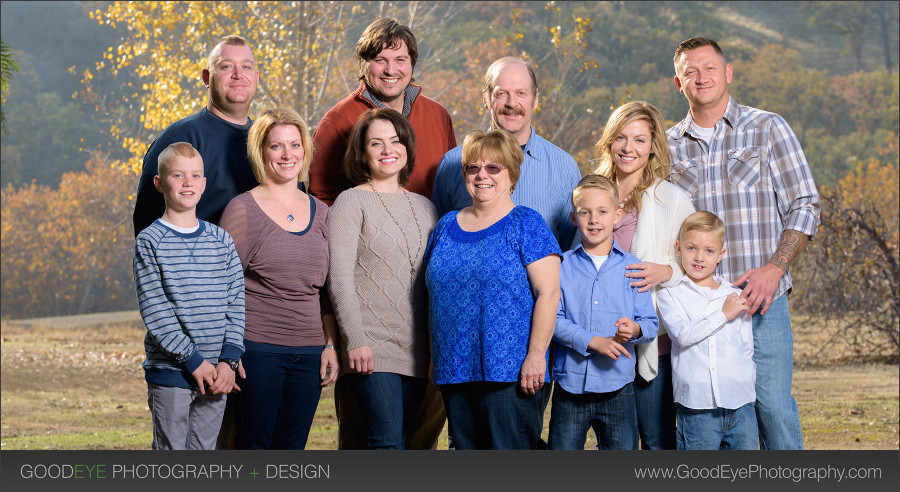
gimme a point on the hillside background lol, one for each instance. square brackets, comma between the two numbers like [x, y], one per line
[97, 82]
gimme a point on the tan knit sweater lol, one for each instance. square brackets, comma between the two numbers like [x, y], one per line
[375, 299]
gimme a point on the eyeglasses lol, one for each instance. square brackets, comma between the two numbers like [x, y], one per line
[473, 169]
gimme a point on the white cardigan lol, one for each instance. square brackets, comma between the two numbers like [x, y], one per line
[664, 207]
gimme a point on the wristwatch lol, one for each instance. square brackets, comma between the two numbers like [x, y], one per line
[231, 363]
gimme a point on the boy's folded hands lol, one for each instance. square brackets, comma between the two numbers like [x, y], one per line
[205, 375]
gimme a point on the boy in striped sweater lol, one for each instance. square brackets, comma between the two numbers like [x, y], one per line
[190, 290]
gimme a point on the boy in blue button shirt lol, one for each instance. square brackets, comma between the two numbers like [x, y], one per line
[600, 320]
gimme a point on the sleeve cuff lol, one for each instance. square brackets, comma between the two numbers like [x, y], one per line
[803, 222]
[581, 342]
[644, 338]
[193, 361]
[231, 352]
[717, 320]
[677, 275]
[356, 341]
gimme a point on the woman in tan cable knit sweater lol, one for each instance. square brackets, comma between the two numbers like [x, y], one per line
[378, 232]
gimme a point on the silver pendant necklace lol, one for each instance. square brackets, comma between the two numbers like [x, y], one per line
[290, 215]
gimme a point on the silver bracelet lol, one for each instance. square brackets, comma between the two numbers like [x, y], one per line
[330, 346]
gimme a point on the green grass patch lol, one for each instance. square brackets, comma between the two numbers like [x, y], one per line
[83, 388]
[111, 439]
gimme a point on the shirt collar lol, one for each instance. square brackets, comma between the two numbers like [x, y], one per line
[530, 147]
[616, 250]
[245, 126]
[409, 96]
[725, 287]
[732, 116]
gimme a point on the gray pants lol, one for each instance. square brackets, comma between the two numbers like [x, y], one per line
[183, 418]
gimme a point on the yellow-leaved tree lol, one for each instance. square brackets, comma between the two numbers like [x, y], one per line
[304, 52]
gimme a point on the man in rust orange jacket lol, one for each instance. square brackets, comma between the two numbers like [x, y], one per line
[387, 54]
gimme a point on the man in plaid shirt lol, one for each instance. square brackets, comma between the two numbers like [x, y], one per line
[746, 166]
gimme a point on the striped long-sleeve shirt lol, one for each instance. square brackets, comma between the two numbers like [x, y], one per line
[753, 175]
[190, 290]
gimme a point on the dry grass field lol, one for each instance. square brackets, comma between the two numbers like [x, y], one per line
[76, 383]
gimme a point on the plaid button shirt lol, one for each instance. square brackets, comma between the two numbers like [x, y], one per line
[752, 175]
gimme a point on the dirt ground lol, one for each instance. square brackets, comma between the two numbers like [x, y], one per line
[77, 383]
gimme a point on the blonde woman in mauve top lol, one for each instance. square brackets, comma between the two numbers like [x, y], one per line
[634, 154]
[379, 232]
[281, 236]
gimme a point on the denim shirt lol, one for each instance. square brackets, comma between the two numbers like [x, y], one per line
[592, 301]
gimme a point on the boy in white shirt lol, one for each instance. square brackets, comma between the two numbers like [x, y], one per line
[713, 374]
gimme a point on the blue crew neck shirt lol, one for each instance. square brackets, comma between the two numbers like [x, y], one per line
[480, 298]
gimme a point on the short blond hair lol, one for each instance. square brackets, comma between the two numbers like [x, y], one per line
[259, 131]
[703, 221]
[177, 149]
[497, 145]
[595, 182]
[231, 40]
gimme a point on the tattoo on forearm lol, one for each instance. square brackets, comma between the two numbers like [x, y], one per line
[792, 243]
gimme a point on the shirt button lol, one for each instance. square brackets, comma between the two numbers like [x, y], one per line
[595, 302]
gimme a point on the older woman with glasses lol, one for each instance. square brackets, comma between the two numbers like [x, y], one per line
[493, 280]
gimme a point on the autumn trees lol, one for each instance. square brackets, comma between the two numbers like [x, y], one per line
[303, 50]
[68, 250]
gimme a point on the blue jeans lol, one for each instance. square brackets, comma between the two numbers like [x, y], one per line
[655, 403]
[491, 415]
[718, 428]
[279, 396]
[612, 416]
[388, 403]
[773, 350]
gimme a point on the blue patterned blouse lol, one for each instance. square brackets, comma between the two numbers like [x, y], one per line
[480, 298]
